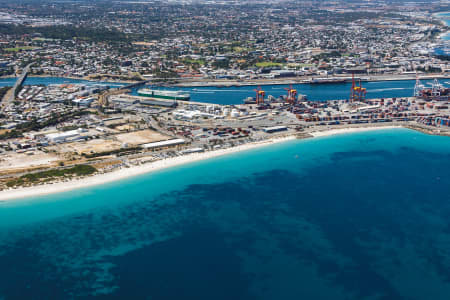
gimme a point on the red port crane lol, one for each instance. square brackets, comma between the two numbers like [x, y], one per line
[260, 95]
[291, 94]
[357, 93]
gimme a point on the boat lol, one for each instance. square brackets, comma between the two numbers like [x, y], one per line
[250, 100]
[436, 92]
[164, 94]
[326, 80]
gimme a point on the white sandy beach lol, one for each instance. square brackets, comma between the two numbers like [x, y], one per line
[45, 189]
[349, 130]
[443, 22]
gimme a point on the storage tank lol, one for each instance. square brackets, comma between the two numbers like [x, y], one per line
[234, 113]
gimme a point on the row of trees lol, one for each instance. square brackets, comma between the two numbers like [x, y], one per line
[67, 32]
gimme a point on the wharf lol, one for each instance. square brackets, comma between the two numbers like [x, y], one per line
[299, 80]
[169, 101]
[428, 129]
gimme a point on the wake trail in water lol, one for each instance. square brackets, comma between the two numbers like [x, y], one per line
[220, 91]
[389, 89]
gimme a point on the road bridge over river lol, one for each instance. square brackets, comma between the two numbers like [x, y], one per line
[12, 93]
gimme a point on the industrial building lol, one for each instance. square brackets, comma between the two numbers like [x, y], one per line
[63, 136]
[275, 129]
[163, 144]
[151, 102]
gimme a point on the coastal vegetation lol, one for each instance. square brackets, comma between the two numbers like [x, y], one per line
[118, 152]
[78, 170]
[298, 58]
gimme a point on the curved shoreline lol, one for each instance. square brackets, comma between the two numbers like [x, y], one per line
[287, 81]
[443, 20]
[260, 82]
[99, 179]
[336, 131]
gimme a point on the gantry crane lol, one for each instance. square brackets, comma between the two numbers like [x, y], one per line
[260, 94]
[291, 94]
[357, 93]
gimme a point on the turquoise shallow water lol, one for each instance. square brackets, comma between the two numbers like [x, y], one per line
[359, 216]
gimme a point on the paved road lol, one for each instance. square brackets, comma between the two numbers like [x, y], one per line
[18, 83]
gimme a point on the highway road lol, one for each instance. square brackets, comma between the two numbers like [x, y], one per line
[18, 83]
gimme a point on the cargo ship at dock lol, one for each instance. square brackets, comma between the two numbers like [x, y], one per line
[436, 92]
[164, 94]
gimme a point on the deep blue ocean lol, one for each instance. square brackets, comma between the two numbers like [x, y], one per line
[354, 216]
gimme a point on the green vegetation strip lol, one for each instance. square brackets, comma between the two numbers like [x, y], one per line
[78, 170]
[67, 32]
[268, 64]
[113, 152]
[194, 61]
[17, 49]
